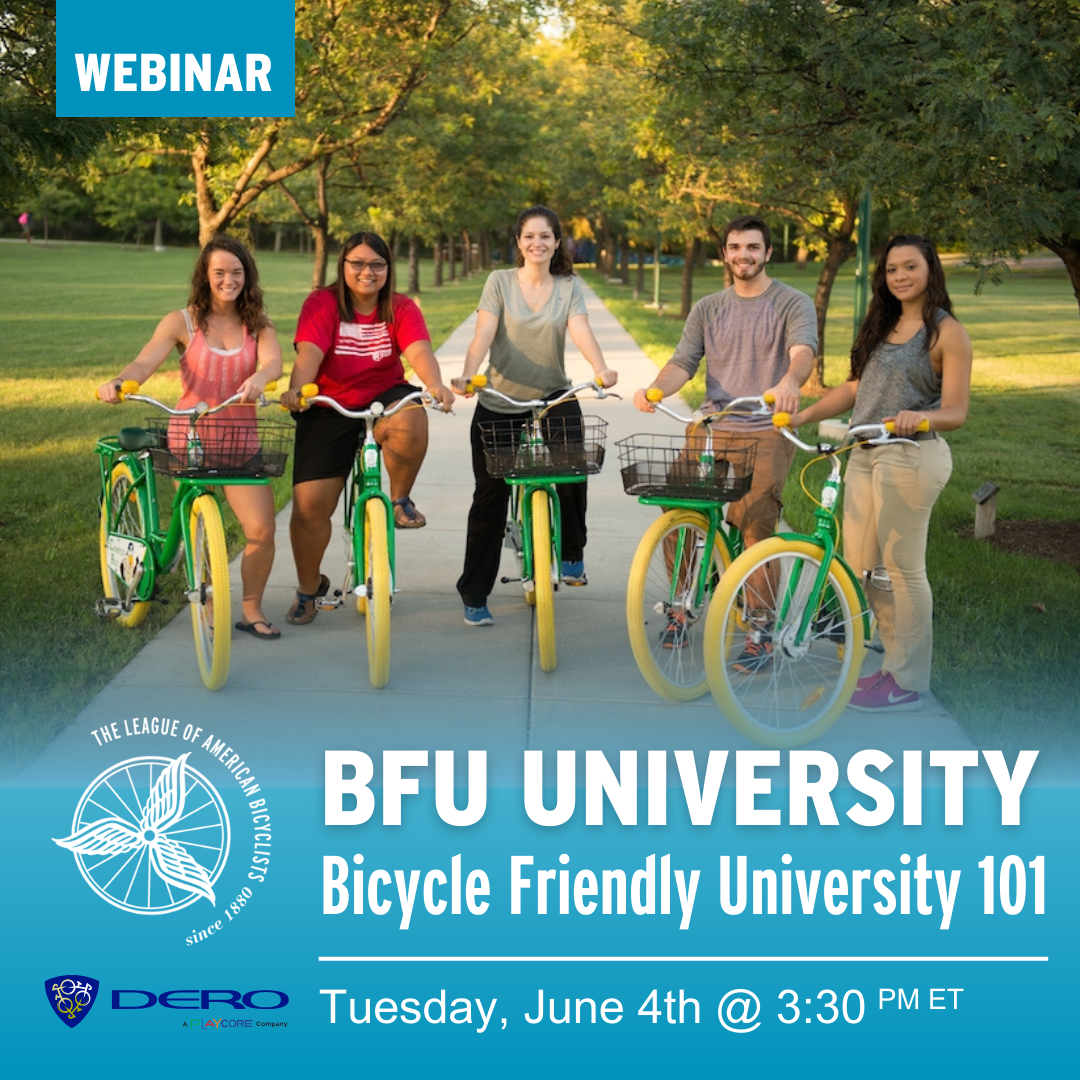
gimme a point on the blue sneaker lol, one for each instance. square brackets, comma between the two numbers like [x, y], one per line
[478, 616]
[573, 573]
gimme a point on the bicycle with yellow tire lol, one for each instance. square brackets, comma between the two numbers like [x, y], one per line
[200, 452]
[683, 554]
[370, 573]
[788, 626]
[533, 456]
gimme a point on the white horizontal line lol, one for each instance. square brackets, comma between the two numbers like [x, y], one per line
[683, 959]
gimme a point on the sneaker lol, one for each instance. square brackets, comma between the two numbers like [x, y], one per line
[881, 694]
[573, 573]
[478, 616]
[676, 635]
[755, 657]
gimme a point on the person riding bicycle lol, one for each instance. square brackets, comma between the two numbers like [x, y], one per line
[911, 362]
[523, 319]
[351, 339]
[756, 336]
[227, 345]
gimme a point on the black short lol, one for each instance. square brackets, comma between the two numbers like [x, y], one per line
[326, 441]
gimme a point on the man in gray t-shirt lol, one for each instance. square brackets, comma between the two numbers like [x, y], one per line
[758, 336]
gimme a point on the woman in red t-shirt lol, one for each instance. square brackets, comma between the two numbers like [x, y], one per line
[350, 339]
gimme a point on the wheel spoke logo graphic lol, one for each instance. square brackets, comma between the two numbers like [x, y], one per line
[150, 835]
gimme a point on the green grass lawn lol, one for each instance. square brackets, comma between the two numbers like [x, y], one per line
[73, 315]
[1007, 627]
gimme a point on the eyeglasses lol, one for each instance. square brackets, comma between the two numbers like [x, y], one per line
[360, 266]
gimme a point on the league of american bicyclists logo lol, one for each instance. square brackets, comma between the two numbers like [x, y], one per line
[71, 996]
[151, 835]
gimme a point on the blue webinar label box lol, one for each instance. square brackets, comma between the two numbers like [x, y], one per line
[119, 58]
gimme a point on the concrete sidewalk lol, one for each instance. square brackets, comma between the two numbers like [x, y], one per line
[452, 687]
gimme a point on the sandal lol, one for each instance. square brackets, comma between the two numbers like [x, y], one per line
[272, 633]
[303, 608]
[406, 516]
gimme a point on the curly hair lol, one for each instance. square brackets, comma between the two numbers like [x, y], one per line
[883, 312]
[561, 263]
[385, 302]
[249, 304]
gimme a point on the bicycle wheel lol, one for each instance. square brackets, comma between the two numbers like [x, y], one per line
[773, 688]
[378, 592]
[664, 613]
[545, 594]
[122, 515]
[211, 605]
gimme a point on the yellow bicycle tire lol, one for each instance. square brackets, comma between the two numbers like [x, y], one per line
[378, 593]
[211, 609]
[122, 486]
[542, 567]
[677, 674]
[799, 693]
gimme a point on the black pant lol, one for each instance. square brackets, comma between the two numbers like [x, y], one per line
[487, 515]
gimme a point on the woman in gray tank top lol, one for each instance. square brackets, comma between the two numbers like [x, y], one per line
[911, 362]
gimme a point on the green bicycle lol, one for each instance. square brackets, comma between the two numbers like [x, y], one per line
[370, 573]
[199, 452]
[788, 627]
[684, 553]
[533, 456]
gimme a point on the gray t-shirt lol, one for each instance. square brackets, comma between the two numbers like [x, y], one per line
[746, 342]
[527, 357]
[898, 377]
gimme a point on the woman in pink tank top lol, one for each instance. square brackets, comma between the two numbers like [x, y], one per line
[227, 345]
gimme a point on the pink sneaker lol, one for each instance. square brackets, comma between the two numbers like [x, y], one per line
[879, 693]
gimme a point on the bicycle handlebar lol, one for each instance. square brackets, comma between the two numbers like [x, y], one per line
[309, 395]
[877, 435]
[479, 382]
[762, 403]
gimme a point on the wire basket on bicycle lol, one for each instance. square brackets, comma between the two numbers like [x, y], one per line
[673, 466]
[571, 446]
[240, 447]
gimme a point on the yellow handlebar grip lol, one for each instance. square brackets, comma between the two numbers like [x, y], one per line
[270, 387]
[478, 380]
[781, 419]
[654, 394]
[769, 399]
[924, 425]
[309, 389]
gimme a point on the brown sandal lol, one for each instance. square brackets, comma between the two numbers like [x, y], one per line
[406, 516]
[303, 608]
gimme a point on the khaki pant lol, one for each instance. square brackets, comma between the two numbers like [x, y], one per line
[889, 493]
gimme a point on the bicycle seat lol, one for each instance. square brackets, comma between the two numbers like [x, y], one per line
[137, 438]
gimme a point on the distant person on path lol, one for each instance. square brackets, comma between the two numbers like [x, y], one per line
[227, 345]
[911, 362]
[350, 340]
[27, 223]
[524, 316]
[756, 336]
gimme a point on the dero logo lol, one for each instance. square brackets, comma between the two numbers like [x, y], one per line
[121, 58]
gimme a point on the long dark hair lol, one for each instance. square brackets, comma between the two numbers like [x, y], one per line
[561, 263]
[884, 311]
[385, 304]
[249, 304]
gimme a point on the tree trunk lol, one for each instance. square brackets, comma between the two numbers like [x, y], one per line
[485, 249]
[277, 239]
[466, 254]
[320, 227]
[607, 254]
[413, 288]
[624, 262]
[639, 281]
[690, 255]
[1067, 249]
[451, 254]
[159, 244]
[439, 241]
[840, 249]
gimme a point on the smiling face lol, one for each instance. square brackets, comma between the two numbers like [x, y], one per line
[225, 273]
[746, 254]
[365, 273]
[907, 273]
[537, 241]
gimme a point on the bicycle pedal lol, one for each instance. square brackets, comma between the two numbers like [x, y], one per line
[325, 603]
[876, 648]
[108, 608]
[511, 580]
